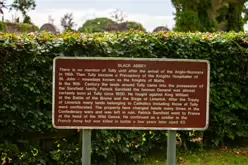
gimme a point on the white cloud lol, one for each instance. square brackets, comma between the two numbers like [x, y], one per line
[148, 21]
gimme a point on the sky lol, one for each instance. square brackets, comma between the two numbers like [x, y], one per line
[150, 13]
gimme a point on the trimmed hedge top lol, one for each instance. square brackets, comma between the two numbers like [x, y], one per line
[136, 35]
[166, 41]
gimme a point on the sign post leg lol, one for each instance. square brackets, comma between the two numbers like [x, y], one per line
[86, 147]
[171, 148]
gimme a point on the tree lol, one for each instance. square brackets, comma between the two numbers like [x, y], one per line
[121, 24]
[106, 24]
[118, 16]
[67, 21]
[2, 6]
[27, 20]
[210, 15]
[96, 25]
[23, 6]
[135, 26]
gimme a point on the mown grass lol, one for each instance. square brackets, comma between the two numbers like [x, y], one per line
[237, 156]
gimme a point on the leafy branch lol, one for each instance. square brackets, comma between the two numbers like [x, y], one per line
[23, 6]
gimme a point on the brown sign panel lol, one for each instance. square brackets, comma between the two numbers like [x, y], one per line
[124, 93]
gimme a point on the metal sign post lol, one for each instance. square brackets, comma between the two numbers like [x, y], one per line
[171, 148]
[86, 147]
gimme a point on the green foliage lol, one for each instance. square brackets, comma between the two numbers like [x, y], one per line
[27, 27]
[208, 157]
[2, 26]
[2, 6]
[135, 26]
[96, 25]
[11, 153]
[23, 6]
[105, 24]
[26, 91]
[66, 153]
[120, 146]
[19, 27]
[187, 21]
[27, 20]
[210, 15]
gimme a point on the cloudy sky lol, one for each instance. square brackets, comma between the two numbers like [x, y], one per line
[150, 13]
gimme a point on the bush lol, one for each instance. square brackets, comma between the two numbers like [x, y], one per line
[26, 91]
[10, 27]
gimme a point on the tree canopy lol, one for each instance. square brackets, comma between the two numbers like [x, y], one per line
[2, 6]
[20, 5]
[210, 15]
[67, 21]
[23, 6]
[106, 24]
[96, 25]
[135, 26]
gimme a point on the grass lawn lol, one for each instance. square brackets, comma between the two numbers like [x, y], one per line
[212, 157]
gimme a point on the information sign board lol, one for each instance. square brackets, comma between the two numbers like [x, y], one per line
[130, 93]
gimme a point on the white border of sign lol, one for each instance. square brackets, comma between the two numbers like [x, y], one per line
[136, 59]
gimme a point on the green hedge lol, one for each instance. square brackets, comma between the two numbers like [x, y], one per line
[11, 27]
[26, 132]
